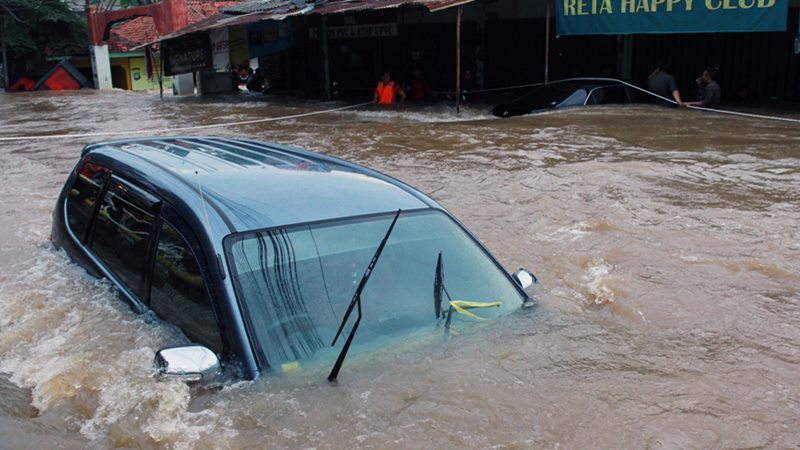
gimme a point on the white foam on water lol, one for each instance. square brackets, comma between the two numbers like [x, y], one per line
[572, 233]
[426, 114]
[72, 342]
[598, 276]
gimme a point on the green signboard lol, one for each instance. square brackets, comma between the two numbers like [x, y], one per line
[669, 16]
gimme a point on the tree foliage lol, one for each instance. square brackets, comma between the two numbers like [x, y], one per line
[36, 27]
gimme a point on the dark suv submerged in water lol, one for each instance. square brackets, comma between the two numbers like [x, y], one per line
[261, 254]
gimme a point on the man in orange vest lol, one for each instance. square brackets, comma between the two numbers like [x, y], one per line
[388, 91]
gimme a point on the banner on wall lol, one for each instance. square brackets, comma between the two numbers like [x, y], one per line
[268, 37]
[579, 17]
[220, 48]
[186, 54]
[370, 31]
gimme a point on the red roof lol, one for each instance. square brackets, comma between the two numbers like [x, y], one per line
[132, 33]
[199, 10]
[142, 30]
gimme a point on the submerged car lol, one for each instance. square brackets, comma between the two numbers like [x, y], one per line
[568, 93]
[261, 254]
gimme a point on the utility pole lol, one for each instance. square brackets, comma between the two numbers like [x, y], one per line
[547, 44]
[326, 66]
[5, 54]
[458, 59]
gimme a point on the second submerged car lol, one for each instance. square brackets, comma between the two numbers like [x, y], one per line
[568, 93]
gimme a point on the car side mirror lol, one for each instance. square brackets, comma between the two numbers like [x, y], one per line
[524, 278]
[188, 363]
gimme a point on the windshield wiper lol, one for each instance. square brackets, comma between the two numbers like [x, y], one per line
[357, 301]
[438, 288]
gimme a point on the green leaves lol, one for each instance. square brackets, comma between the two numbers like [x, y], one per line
[34, 27]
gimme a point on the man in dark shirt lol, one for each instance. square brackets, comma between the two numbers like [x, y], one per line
[711, 93]
[664, 84]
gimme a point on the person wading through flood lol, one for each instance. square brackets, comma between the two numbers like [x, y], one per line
[388, 91]
[710, 91]
[663, 83]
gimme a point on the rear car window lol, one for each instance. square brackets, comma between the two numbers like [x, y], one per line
[178, 293]
[83, 196]
[607, 95]
[122, 233]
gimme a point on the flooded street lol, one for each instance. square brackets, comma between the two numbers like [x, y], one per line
[666, 243]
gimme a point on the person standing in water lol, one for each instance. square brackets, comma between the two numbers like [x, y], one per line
[388, 92]
[661, 82]
[420, 90]
[709, 89]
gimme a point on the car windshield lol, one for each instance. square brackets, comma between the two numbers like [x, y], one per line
[296, 283]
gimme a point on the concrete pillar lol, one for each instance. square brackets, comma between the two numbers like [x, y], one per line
[627, 57]
[326, 65]
[183, 84]
[101, 67]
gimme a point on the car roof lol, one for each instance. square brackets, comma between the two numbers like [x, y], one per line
[254, 185]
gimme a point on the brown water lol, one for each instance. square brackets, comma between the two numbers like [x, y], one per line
[666, 243]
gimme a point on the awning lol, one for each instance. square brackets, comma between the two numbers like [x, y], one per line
[249, 12]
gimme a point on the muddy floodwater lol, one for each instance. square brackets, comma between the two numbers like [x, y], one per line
[666, 242]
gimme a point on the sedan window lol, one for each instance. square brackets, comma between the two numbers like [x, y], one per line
[608, 95]
[577, 98]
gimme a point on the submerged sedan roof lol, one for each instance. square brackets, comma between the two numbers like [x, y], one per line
[257, 185]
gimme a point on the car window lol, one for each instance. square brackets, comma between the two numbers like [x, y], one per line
[83, 195]
[296, 283]
[178, 292]
[122, 233]
[577, 98]
[545, 96]
[608, 95]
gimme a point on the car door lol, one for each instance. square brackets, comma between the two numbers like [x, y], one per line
[152, 256]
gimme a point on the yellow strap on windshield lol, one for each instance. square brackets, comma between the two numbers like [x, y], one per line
[461, 307]
[290, 367]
